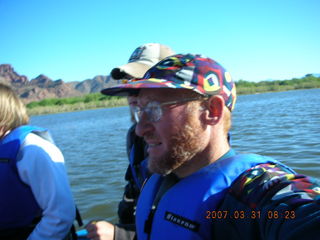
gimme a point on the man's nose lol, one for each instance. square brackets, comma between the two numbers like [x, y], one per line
[144, 125]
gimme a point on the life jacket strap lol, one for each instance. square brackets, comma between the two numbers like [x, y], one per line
[168, 181]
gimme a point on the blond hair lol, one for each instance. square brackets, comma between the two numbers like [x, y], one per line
[13, 112]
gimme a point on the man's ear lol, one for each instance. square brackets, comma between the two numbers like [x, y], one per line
[214, 109]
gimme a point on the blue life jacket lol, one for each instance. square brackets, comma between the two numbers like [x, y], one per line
[181, 212]
[18, 207]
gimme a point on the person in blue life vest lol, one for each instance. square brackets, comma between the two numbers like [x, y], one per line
[141, 59]
[201, 188]
[36, 202]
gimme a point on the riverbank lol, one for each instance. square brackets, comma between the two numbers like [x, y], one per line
[97, 100]
[80, 106]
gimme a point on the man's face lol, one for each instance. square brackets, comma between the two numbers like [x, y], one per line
[176, 137]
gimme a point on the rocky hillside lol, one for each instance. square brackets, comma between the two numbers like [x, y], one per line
[43, 87]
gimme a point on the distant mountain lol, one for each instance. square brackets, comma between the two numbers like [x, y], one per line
[43, 87]
[93, 85]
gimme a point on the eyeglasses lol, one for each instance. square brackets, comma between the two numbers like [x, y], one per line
[154, 110]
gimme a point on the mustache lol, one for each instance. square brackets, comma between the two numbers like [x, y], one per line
[150, 137]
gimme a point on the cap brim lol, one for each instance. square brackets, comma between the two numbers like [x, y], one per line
[134, 86]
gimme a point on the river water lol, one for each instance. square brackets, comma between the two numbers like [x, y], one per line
[284, 125]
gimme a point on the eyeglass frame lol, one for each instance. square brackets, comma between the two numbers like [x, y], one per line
[138, 111]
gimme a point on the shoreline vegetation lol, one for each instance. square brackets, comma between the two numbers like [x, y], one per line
[98, 100]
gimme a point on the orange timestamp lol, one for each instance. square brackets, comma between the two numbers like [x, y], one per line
[254, 214]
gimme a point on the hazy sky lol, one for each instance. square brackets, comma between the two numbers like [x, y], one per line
[75, 40]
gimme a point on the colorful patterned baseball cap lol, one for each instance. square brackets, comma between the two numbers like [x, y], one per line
[142, 58]
[183, 71]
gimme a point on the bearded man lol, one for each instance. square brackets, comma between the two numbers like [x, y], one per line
[200, 187]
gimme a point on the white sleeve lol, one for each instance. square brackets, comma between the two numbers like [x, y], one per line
[41, 166]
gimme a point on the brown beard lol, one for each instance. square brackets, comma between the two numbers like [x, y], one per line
[185, 144]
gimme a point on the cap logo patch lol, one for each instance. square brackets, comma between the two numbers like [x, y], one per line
[136, 55]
